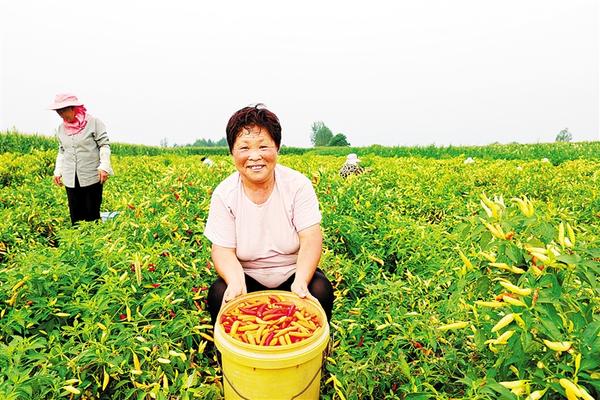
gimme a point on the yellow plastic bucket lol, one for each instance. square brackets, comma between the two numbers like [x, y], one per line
[274, 372]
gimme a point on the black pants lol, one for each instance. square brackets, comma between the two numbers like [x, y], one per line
[84, 202]
[319, 286]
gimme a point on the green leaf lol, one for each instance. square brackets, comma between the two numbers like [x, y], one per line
[514, 253]
[569, 258]
[504, 393]
[404, 367]
[551, 321]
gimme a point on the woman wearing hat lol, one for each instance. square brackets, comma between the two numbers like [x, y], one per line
[351, 166]
[264, 219]
[83, 160]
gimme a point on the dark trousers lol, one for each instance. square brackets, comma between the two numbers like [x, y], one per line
[319, 286]
[84, 202]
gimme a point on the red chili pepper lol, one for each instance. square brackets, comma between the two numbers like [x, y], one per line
[286, 323]
[284, 304]
[269, 338]
[248, 311]
[155, 285]
[290, 311]
[273, 299]
[361, 341]
[268, 317]
[259, 311]
[277, 310]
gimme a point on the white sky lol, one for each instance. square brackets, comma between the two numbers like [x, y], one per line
[387, 72]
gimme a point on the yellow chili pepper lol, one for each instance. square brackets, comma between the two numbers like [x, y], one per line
[513, 301]
[506, 320]
[453, 326]
[558, 346]
[516, 289]
[490, 304]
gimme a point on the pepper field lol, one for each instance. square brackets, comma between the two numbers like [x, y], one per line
[452, 280]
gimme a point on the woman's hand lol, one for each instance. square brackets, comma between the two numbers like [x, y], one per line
[103, 175]
[57, 180]
[234, 289]
[311, 241]
[230, 269]
[301, 289]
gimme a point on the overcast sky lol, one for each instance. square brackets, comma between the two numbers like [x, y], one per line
[388, 72]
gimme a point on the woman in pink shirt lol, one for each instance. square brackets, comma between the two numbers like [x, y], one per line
[264, 219]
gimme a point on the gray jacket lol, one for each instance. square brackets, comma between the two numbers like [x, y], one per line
[83, 153]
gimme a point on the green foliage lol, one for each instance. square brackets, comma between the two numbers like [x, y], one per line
[339, 140]
[536, 275]
[557, 153]
[78, 303]
[321, 134]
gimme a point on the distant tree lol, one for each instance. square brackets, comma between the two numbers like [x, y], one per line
[209, 143]
[321, 134]
[339, 140]
[564, 136]
[164, 142]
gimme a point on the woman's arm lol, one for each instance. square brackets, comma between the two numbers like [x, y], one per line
[101, 138]
[229, 268]
[311, 247]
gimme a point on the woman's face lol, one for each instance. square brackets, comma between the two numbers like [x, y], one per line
[255, 155]
[67, 113]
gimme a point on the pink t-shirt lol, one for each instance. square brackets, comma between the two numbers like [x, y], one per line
[265, 236]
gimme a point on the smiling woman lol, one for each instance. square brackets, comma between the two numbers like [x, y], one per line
[264, 219]
[255, 157]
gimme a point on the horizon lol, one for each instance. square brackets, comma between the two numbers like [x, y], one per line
[49, 136]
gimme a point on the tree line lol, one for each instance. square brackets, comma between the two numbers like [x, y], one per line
[320, 136]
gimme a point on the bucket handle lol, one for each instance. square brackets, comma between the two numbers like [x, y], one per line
[293, 397]
[326, 354]
[313, 378]
[234, 388]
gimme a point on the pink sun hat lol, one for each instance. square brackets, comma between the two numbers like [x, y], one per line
[64, 100]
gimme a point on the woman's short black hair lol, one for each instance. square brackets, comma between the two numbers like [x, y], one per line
[248, 117]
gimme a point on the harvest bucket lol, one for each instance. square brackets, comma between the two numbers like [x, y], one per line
[291, 371]
[106, 215]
